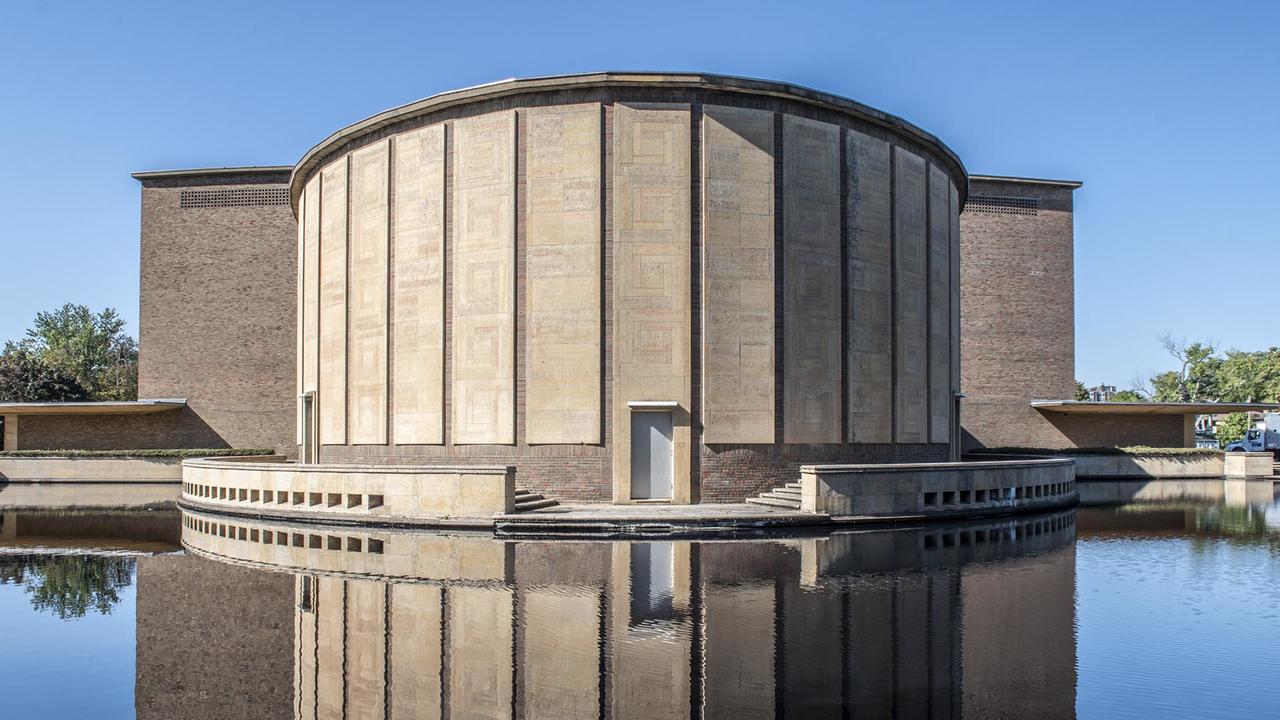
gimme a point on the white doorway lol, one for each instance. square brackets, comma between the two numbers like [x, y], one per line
[652, 459]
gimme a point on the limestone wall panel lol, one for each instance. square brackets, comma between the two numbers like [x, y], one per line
[651, 266]
[368, 277]
[300, 346]
[333, 304]
[870, 281]
[311, 286]
[483, 259]
[811, 279]
[418, 291]
[562, 236]
[738, 275]
[910, 264]
[954, 221]
[939, 306]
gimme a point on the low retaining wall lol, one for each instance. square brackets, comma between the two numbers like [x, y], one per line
[349, 493]
[90, 469]
[89, 496]
[936, 489]
[1248, 464]
[1148, 466]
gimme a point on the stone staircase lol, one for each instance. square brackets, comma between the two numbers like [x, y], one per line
[787, 496]
[527, 500]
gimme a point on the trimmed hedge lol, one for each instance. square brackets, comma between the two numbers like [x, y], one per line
[1137, 450]
[142, 453]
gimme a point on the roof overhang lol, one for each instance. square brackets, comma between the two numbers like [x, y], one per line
[502, 90]
[1027, 181]
[106, 407]
[203, 172]
[1091, 407]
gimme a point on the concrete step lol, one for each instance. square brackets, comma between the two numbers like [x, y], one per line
[788, 491]
[779, 495]
[793, 485]
[775, 502]
[538, 504]
[527, 496]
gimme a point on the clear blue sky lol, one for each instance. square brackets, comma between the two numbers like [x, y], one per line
[1168, 111]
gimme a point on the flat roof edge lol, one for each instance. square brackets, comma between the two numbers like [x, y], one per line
[1027, 180]
[309, 163]
[1148, 407]
[198, 172]
[92, 407]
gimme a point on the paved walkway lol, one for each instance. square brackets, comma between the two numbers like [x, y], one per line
[640, 517]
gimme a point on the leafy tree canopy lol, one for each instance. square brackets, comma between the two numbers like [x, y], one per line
[25, 378]
[71, 354]
[1231, 428]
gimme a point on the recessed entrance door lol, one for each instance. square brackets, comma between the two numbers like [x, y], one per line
[651, 456]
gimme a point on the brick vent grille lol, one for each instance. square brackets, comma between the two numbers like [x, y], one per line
[234, 197]
[996, 205]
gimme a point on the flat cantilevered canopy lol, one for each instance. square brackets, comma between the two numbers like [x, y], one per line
[105, 407]
[1148, 408]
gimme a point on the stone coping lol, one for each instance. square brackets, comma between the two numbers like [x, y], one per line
[588, 523]
[201, 172]
[313, 158]
[257, 462]
[1026, 180]
[92, 407]
[939, 466]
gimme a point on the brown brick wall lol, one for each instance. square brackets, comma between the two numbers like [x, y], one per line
[731, 473]
[1017, 309]
[217, 313]
[170, 429]
[1092, 430]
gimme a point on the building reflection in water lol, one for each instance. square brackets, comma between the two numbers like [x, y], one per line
[958, 621]
[1242, 510]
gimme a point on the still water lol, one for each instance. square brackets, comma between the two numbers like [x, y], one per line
[1147, 601]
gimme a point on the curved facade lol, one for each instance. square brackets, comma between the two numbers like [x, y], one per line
[629, 286]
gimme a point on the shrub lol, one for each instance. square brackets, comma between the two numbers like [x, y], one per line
[140, 453]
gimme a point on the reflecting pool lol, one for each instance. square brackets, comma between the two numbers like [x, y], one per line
[1141, 603]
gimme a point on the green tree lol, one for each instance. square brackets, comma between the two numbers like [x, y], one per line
[1082, 393]
[1196, 378]
[24, 377]
[1231, 428]
[91, 347]
[1127, 396]
[1250, 376]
